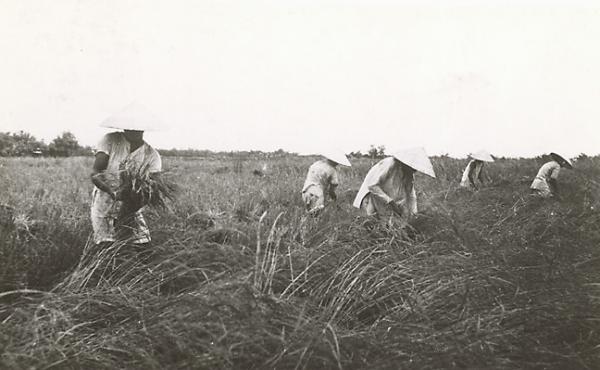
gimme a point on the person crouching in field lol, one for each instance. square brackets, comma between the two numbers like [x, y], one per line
[545, 183]
[322, 180]
[474, 170]
[113, 217]
[389, 185]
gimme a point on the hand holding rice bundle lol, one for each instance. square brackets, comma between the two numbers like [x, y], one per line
[139, 188]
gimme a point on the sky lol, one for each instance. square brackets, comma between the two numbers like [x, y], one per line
[517, 78]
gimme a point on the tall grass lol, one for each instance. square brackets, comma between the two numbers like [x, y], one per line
[238, 276]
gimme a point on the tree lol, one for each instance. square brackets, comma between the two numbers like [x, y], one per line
[356, 154]
[6, 144]
[376, 152]
[64, 145]
[19, 144]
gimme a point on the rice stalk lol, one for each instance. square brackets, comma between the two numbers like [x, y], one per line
[266, 259]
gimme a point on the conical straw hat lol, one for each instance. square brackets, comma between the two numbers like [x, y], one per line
[482, 155]
[560, 158]
[337, 156]
[416, 158]
[133, 117]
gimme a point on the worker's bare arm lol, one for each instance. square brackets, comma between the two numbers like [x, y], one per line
[100, 165]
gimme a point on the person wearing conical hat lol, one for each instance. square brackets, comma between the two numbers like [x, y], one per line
[545, 183]
[474, 171]
[116, 152]
[389, 185]
[322, 180]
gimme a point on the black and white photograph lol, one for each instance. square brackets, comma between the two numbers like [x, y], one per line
[299, 184]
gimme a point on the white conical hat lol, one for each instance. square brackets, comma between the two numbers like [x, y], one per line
[416, 158]
[133, 117]
[560, 157]
[482, 155]
[337, 156]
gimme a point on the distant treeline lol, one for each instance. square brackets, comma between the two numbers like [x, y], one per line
[202, 153]
[374, 152]
[23, 144]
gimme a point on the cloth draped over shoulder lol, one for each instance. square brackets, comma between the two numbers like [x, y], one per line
[474, 169]
[144, 160]
[549, 170]
[388, 175]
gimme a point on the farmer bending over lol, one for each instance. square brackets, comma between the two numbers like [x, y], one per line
[113, 215]
[389, 185]
[474, 170]
[322, 180]
[545, 183]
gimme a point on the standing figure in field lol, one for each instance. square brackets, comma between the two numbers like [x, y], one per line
[389, 185]
[117, 153]
[474, 170]
[322, 180]
[545, 183]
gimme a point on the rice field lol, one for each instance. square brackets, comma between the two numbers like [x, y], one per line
[237, 277]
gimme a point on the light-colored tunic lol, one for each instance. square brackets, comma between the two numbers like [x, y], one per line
[474, 168]
[104, 209]
[320, 179]
[385, 182]
[549, 170]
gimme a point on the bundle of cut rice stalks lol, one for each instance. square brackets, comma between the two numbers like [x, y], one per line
[139, 188]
